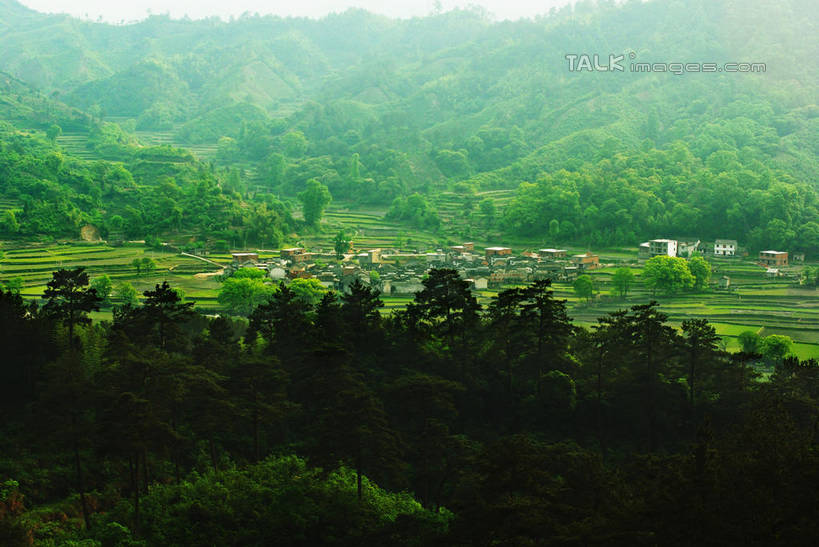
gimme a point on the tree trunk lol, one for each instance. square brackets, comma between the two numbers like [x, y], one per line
[71, 329]
[255, 426]
[135, 476]
[652, 410]
[212, 447]
[599, 407]
[358, 474]
[692, 369]
[145, 479]
[175, 448]
[78, 469]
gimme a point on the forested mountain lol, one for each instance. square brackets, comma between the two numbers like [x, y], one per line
[377, 109]
[137, 192]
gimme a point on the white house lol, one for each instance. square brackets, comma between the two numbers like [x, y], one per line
[658, 247]
[725, 247]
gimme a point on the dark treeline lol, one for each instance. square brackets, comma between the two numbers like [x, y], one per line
[504, 425]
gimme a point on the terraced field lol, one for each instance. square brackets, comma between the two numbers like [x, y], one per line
[368, 229]
[157, 138]
[457, 220]
[10, 204]
[76, 144]
[753, 303]
[35, 265]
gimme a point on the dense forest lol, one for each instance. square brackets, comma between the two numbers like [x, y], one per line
[377, 110]
[444, 424]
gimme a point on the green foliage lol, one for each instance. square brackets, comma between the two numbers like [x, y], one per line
[163, 410]
[14, 285]
[147, 265]
[584, 287]
[488, 210]
[149, 191]
[69, 299]
[445, 305]
[554, 228]
[248, 273]
[103, 286]
[341, 244]
[415, 210]
[668, 274]
[280, 500]
[273, 169]
[309, 291]
[558, 392]
[749, 341]
[701, 270]
[608, 170]
[314, 199]
[240, 294]
[294, 144]
[227, 149]
[13, 531]
[622, 280]
[182, 429]
[125, 293]
[775, 347]
[225, 122]
[453, 164]
[9, 222]
[141, 90]
[53, 132]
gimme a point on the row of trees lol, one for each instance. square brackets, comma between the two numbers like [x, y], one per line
[506, 422]
[664, 274]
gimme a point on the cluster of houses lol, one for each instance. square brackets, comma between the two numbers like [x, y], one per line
[722, 248]
[401, 272]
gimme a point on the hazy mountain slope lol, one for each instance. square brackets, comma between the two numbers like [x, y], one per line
[27, 108]
[377, 108]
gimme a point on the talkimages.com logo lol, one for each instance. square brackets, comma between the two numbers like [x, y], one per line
[582, 62]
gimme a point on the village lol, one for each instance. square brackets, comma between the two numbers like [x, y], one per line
[400, 272]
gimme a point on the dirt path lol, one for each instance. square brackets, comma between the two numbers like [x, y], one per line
[205, 275]
[203, 259]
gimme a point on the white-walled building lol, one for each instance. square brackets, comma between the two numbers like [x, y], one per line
[659, 247]
[725, 247]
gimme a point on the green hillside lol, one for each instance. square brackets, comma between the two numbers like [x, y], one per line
[379, 109]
